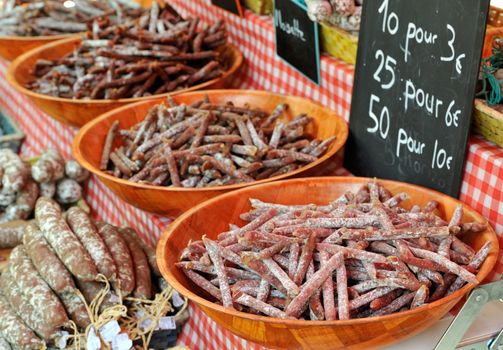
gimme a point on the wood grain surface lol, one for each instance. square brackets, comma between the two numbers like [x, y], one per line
[12, 47]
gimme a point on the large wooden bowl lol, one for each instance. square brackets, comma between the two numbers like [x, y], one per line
[12, 47]
[213, 217]
[89, 142]
[78, 112]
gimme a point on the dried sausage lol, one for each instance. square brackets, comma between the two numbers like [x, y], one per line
[15, 171]
[14, 330]
[75, 171]
[49, 167]
[30, 316]
[22, 208]
[148, 250]
[36, 290]
[68, 191]
[143, 279]
[86, 231]
[11, 233]
[121, 256]
[50, 268]
[64, 242]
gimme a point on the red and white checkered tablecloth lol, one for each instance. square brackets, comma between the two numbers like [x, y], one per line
[482, 184]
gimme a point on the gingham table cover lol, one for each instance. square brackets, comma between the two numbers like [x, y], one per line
[482, 184]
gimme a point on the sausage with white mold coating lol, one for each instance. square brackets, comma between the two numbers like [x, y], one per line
[75, 171]
[319, 10]
[55, 274]
[22, 208]
[30, 316]
[68, 191]
[121, 256]
[63, 241]
[15, 171]
[49, 167]
[90, 291]
[343, 7]
[148, 250]
[13, 329]
[86, 231]
[36, 290]
[4, 344]
[7, 198]
[143, 278]
[48, 189]
[76, 309]
[11, 233]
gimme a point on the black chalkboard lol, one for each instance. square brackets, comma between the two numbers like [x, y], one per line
[297, 38]
[410, 115]
[233, 6]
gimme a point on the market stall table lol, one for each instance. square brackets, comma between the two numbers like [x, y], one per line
[481, 188]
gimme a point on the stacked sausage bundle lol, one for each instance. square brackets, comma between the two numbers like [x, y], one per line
[49, 176]
[207, 144]
[345, 14]
[159, 53]
[49, 17]
[61, 255]
[359, 256]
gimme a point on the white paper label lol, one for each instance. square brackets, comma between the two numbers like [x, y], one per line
[110, 330]
[63, 340]
[114, 298]
[93, 342]
[177, 300]
[122, 342]
[145, 324]
[167, 323]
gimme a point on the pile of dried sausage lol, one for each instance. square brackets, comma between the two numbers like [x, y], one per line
[209, 144]
[160, 52]
[50, 17]
[360, 256]
[22, 183]
[61, 258]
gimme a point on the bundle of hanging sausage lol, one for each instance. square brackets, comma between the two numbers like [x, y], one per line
[159, 53]
[50, 17]
[206, 144]
[55, 277]
[22, 183]
[360, 256]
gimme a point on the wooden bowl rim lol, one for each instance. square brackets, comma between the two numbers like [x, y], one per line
[16, 63]
[336, 146]
[487, 266]
[48, 38]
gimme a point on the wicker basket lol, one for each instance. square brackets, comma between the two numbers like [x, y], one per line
[338, 43]
[260, 7]
[488, 122]
[13, 136]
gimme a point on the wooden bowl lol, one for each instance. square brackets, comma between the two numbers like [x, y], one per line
[78, 112]
[12, 47]
[89, 142]
[213, 217]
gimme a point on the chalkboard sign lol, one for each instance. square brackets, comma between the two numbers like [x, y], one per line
[297, 38]
[414, 87]
[233, 6]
